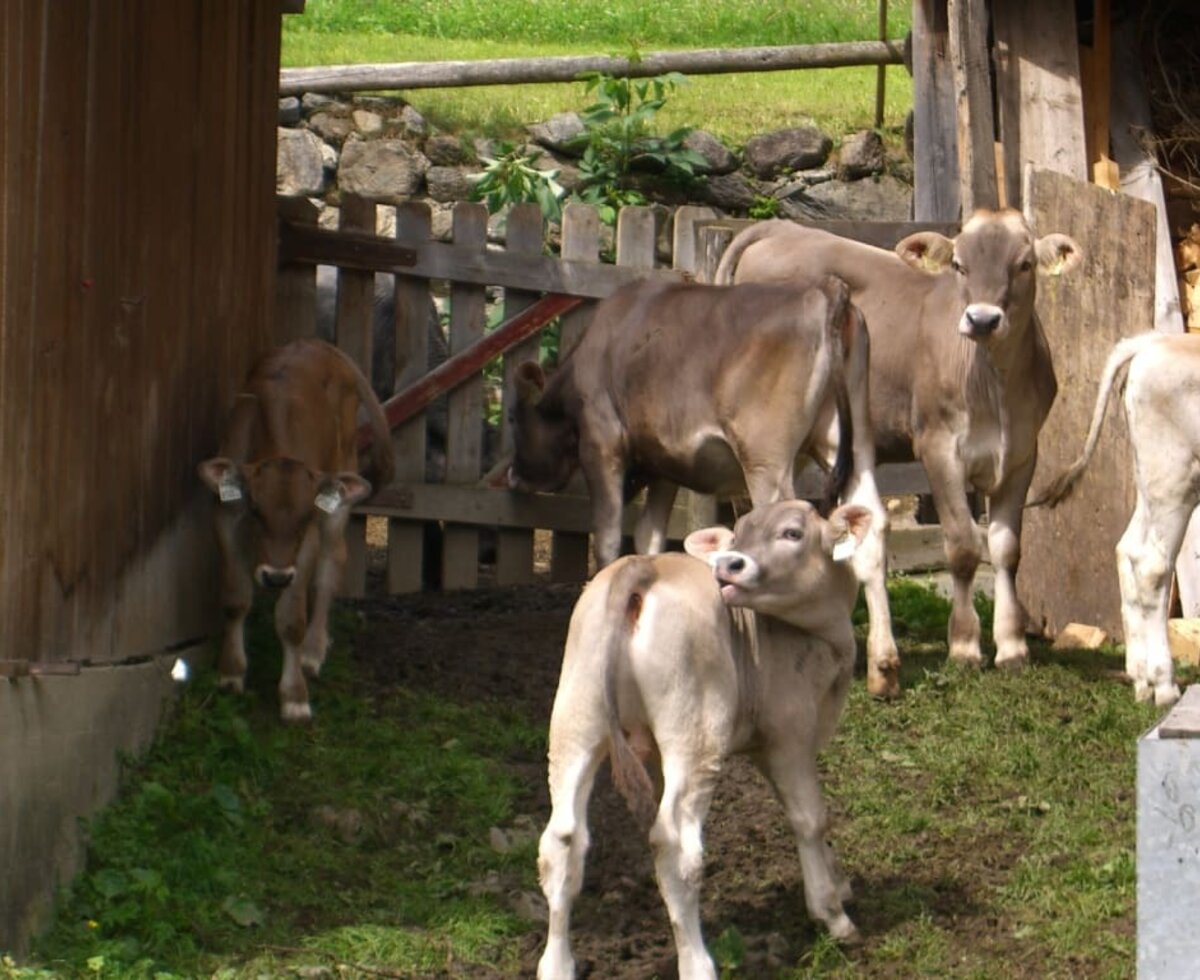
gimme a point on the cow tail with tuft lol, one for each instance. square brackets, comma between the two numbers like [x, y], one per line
[1063, 485]
[840, 322]
[626, 596]
[727, 267]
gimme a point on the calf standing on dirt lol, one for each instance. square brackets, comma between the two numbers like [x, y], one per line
[669, 657]
[286, 480]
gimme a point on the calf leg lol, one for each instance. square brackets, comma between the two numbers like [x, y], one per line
[327, 577]
[561, 852]
[679, 856]
[1146, 555]
[290, 615]
[961, 537]
[237, 595]
[792, 770]
[650, 536]
[1005, 507]
[870, 568]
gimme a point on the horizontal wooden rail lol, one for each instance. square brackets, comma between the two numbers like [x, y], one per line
[468, 363]
[510, 71]
[299, 243]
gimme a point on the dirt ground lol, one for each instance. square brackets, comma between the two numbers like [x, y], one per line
[503, 647]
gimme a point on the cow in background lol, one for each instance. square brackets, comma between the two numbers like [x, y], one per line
[718, 390]
[1162, 411]
[751, 650]
[961, 379]
[285, 482]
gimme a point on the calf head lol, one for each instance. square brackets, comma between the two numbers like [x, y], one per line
[545, 440]
[284, 499]
[995, 260]
[785, 560]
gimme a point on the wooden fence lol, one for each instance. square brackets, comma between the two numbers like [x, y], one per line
[464, 271]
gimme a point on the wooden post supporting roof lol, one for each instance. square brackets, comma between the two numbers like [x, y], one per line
[935, 155]
[971, 67]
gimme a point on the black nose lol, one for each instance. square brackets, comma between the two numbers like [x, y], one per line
[983, 322]
[736, 565]
[273, 578]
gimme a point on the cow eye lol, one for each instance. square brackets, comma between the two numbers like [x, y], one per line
[1025, 266]
[958, 267]
[793, 534]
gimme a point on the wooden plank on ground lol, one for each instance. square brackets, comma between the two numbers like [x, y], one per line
[1038, 90]
[514, 549]
[935, 163]
[580, 243]
[354, 300]
[1068, 572]
[406, 548]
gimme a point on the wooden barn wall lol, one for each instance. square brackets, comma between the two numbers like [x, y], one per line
[137, 159]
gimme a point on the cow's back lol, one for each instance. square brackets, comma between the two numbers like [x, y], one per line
[303, 404]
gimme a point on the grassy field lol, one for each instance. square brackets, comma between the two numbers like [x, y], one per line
[242, 849]
[732, 106]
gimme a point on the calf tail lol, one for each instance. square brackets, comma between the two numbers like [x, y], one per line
[1063, 485]
[742, 241]
[626, 595]
[840, 323]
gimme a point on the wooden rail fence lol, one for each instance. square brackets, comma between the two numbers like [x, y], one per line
[534, 288]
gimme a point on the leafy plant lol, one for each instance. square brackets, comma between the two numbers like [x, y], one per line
[510, 177]
[764, 206]
[618, 140]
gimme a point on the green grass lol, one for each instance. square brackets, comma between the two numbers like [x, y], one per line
[986, 818]
[732, 106]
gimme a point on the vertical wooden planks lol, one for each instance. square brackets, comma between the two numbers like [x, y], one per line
[405, 538]
[514, 548]
[1038, 90]
[1067, 571]
[580, 243]
[460, 549]
[935, 163]
[968, 28]
[356, 291]
[296, 283]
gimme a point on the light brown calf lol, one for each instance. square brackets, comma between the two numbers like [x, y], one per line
[285, 481]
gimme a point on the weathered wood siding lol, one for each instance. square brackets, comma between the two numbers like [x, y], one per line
[137, 162]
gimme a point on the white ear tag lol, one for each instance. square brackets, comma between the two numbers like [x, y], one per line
[229, 491]
[329, 501]
[844, 547]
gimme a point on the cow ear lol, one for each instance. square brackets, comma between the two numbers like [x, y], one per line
[1057, 254]
[530, 380]
[341, 491]
[223, 478]
[926, 251]
[845, 530]
[707, 541]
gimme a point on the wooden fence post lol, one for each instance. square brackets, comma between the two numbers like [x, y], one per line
[580, 243]
[935, 156]
[354, 308]
[460, 547]
[968, 22]
[524, 236]
[406, 547]
[296, 285]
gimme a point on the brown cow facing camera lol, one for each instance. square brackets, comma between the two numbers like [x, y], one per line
[286, 481]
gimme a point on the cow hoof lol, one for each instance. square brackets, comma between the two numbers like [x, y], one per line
[1012, 657]
[231, 683]
[1166, 695]
[844, 931]
[884, 684]
[295, 713]
[966, 655]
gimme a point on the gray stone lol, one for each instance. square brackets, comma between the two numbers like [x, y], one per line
[798, 148]
[878, 199]
[299, 164]
[333, 127]
[861, 156]
[329, 156]
[366, 122]
[558, 132]
[289, 111]
[447, 184]
[730, 192]
[381, 170]
[312, 101]
[445, 151]
[413, 122]
[718, 158]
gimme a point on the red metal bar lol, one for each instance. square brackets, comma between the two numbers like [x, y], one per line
[467, 363]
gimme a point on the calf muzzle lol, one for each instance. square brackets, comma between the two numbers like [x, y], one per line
[274, 578]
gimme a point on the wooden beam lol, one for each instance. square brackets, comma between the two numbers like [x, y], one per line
[881, 71]
[976, 135]
[509, 71]
[935, 154]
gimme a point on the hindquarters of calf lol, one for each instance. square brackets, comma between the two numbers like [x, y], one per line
[749, 650]
[285, 482]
